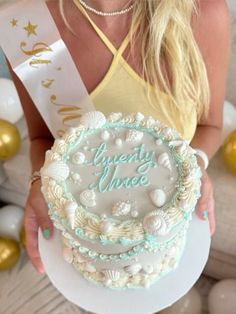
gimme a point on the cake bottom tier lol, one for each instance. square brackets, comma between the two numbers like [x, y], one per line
[140, 271]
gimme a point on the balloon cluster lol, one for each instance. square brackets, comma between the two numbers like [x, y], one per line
[11, 235]
[11, 217]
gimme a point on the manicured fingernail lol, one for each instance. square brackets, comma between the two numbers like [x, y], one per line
[46, 233]
[204, 214]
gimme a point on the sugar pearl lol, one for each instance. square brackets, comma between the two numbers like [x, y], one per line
[118, 142]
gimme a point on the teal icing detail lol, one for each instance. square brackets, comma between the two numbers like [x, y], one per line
[104, 184]
[124, 257]
[64, 222]
[149, 237]
[125, 242]
[79, 232]
[111, 164]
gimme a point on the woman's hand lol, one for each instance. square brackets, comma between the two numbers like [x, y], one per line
[36, 215]
[205, 206]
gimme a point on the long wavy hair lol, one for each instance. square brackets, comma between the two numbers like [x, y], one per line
[170, 57]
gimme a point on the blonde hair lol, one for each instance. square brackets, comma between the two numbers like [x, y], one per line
[167, 47]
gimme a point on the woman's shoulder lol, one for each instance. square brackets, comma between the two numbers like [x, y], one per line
[211, 25]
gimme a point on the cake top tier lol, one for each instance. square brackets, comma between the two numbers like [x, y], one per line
[120, 179]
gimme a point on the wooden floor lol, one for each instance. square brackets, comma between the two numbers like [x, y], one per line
[23, 291]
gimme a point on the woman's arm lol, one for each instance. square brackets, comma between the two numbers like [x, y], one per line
[212, 32]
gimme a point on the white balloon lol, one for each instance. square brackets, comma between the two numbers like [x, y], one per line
[229, 123]
[11, 220]
[222, 297]
[191, 303]
[10, 105]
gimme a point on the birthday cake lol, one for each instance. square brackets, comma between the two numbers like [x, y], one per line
[122, 190]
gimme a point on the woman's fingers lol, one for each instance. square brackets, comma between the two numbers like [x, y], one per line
[43, 220]
[205, 205]
[211, 216]
[36, 216]
[31, 231]
[41, 211]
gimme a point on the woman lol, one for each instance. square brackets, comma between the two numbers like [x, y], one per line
[173, 68]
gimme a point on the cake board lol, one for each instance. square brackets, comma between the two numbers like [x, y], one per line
[102, 300]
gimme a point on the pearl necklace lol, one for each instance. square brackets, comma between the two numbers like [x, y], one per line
[124, 11]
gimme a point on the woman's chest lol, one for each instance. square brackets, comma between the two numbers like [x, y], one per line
[90, 54]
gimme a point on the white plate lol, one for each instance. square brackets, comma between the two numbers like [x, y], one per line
[139, 301]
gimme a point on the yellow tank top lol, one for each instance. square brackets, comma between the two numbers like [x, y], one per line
[122, 89]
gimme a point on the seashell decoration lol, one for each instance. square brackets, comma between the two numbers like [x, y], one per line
[59, 146]
[181, 150]
[90, 268]
[93, 119]
[110, 274]
[106, 227]
[157, 223]
[68, 255]
[133, 269]
[78, 158]
[57, 170]
[70, 209]
[164, 160]
[105, 135]
[114, 116]
[148, 269]
[88, 198]
[134, 136]
[121, 208]
[158, 197]
[139, 116]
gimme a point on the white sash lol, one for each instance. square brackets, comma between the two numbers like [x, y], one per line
[39, 57]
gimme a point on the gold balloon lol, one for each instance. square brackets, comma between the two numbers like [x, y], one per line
[229, 151]
[23, 237]
[9, 253]
[9, 140]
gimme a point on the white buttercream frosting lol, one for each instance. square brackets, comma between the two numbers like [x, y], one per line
[57, 170]
[93, 119]
[164, 160]
[157, 223]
